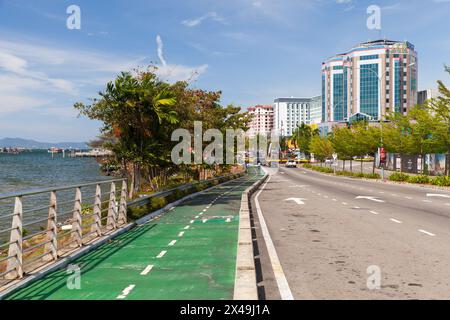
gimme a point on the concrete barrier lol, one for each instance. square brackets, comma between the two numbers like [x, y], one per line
[245, 287]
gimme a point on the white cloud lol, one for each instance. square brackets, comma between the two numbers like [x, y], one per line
[198, 21]
[160, 47]
[174, 72]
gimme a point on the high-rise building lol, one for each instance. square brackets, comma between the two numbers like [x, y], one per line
[289, 113]
[424, 95]
[371, 80]
[262, 120]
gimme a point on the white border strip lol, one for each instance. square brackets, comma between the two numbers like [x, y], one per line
[283, 285]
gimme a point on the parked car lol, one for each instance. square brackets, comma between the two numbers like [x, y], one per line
[291, 164]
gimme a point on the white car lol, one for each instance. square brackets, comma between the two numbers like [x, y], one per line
[291, 164]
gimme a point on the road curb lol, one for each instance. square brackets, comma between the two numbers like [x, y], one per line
[245, 280]
[46, 269]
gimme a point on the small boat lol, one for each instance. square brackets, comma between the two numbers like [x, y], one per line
[54, 150]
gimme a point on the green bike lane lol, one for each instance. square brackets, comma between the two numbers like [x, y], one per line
[187, 253]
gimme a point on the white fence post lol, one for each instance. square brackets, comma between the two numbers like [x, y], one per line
[96, 227]
[77, 233]
[15, 248]
[52, 229]
[112, 208]
[122, 219]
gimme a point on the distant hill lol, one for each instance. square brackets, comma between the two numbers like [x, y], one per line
[31, 144]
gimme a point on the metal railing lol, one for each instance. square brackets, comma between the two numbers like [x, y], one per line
[71, 217]
[86, 213]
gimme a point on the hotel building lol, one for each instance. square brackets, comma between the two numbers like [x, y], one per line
[370, 81]
[262, 120]
[289, 113]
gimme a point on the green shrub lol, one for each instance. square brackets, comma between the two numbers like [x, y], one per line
[398, 176]
[157, 203]
[372, 176]
[419, 179]
[442, 181]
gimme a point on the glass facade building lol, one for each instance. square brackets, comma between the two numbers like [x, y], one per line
[373, 79]
[369, 90]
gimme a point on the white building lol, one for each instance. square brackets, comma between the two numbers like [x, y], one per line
[262, 120]
[289, 113]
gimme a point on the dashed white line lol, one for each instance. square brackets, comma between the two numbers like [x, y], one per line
[395, 220]
[161, 254]
[181, 234]
[204, 220]
[228, 220]
[172, 243]
[427, 233]
[196, 217]
[427, 201]
[187, 227]
[126, 292]
[192, 221]
[374, 212]
[147, 270]
[344, 203]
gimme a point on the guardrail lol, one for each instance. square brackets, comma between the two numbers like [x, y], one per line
[85, 212]
[83, 221]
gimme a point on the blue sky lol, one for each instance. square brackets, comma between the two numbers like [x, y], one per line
[252, 50]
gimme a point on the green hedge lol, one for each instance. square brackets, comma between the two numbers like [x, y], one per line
[157, 203]
[442, 181]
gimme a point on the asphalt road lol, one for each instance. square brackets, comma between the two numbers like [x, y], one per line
[336, 235]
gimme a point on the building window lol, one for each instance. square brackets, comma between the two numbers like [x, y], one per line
[370, 57]
[369, 89]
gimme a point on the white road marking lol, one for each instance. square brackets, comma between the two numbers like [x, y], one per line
[427, 201]
[409, 198]
[181, 234]
[344, 203]
[228, 220]
[172, 243]
[395, 220]
[171, 208]
[204, 220]
[369, 198]
[374, 212]
[426, 232]
[438, 195]
[296, 200]
[283, 285]
[204, 210]
[356, 208]
[161, 254]
[126, 292]
[192, 221]
[196, 217]
[147, 270]
[334, 200]
[187, 227]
